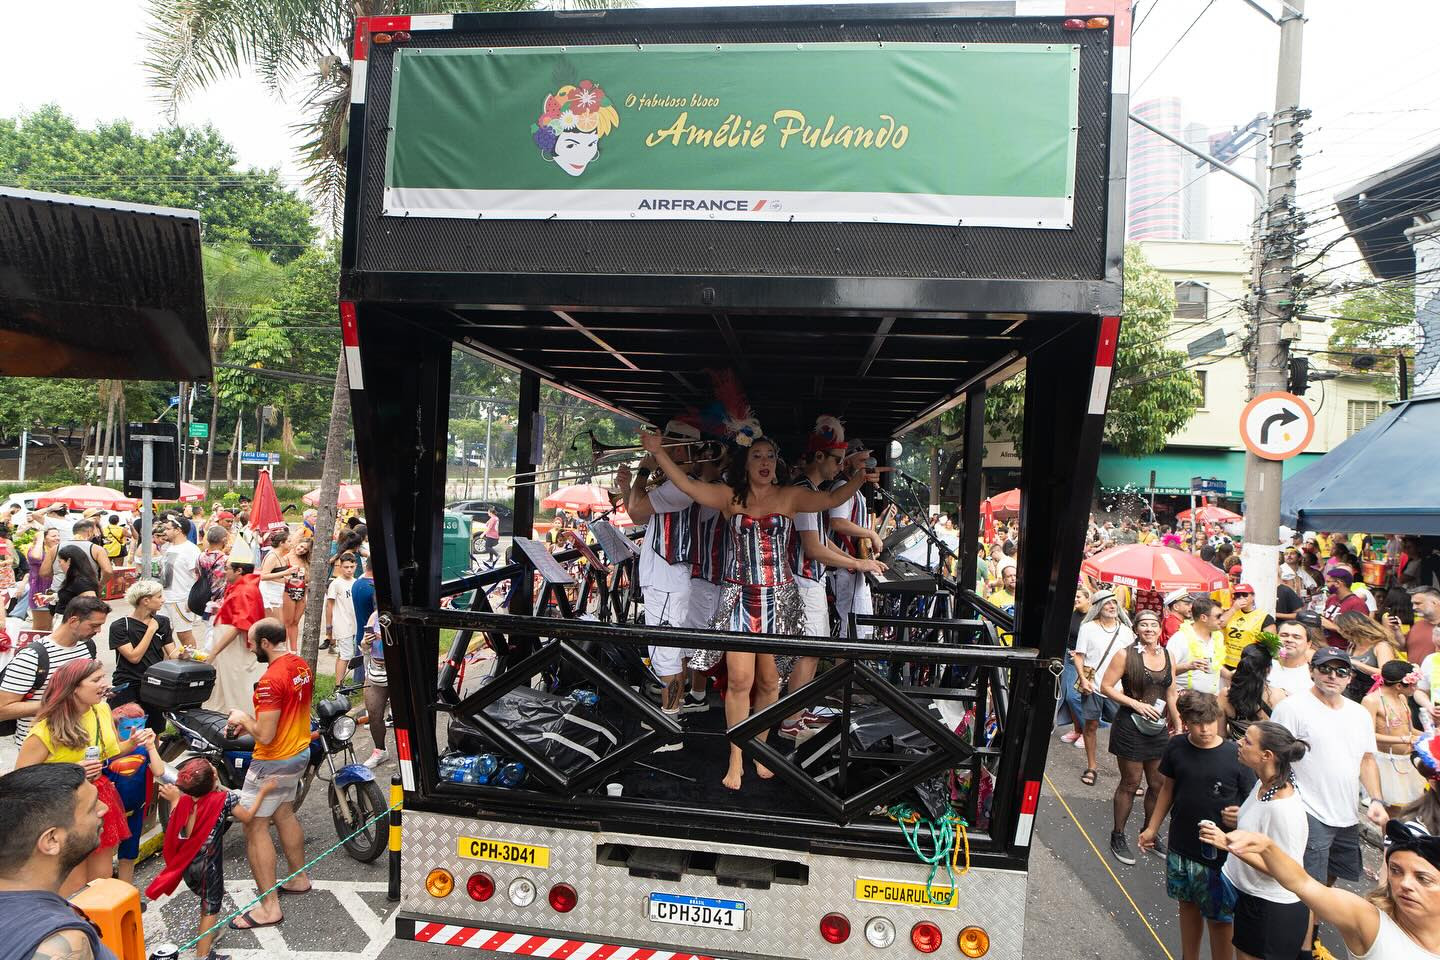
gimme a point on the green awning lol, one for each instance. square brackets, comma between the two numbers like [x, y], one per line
[1175, 468]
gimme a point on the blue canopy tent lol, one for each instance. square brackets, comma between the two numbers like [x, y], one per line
[1381, 480]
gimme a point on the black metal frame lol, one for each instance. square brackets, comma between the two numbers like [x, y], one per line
[409, 321]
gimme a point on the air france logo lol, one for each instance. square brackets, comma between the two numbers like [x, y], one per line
[702, 205]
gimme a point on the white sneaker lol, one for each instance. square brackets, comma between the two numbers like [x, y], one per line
[376, 758]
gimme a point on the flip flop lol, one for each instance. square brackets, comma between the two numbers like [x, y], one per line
[1087, 778]
[286, 891]
[252, 924]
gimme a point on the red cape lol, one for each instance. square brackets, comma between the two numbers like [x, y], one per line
[179, 851]
[241, 605]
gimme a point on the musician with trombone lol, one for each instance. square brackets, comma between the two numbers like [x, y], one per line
[854, 535]
[667, 554]
[811, 552]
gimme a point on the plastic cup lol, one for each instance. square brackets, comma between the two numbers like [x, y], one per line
[614, 789]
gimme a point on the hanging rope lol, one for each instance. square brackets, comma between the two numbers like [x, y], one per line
[948, 837]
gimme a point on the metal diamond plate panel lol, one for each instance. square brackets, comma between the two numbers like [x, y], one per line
[782, 921]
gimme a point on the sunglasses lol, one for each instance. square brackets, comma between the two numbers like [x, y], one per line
[1335, 671]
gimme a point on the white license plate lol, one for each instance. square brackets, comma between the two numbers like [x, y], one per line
[697, 911]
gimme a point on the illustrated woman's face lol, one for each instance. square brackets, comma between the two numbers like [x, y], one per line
[574, 151]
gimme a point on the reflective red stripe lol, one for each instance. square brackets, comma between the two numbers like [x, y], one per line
[497, 941]
[428, 931]
[531, 945]
[349, 332]
[566, 948]
[1032, 797]
[604, 951]
[463, 937]
[1109, 340]
[402, 743]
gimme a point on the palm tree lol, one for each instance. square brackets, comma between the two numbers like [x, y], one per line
[294, 44]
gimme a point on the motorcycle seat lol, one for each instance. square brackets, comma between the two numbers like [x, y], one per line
[211, 725]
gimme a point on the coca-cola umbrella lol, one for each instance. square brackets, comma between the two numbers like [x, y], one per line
[265, 513]
[1005, 505]
[1210, 514]
[1147, 567]
[350, 497]
[83, 496]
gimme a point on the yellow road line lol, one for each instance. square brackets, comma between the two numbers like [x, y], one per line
[1106, 864]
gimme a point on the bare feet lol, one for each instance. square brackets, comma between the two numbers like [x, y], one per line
[733, 777]
[763, 772]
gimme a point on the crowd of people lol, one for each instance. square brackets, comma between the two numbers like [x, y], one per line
[1267, 740]
[216, 590]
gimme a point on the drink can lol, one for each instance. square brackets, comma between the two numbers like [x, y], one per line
[92, 752]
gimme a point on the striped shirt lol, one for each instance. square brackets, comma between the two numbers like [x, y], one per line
[20, 675]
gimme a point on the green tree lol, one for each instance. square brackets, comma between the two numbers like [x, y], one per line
[1378, 321]
[186, 167]
[1153, 394]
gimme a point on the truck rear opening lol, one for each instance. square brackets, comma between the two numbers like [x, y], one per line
[625, 264]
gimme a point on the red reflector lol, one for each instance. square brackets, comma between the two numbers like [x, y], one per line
[563, 898]
[925, 937]
[835, 927]
[1074, 23]
[1097, 23]
[480, 887]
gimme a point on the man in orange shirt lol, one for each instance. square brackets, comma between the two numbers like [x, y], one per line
[281, 728]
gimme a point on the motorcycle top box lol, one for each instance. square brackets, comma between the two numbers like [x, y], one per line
[177, 684]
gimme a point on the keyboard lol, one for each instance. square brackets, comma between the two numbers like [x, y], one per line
[903, 577]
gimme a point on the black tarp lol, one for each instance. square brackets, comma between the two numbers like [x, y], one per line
[1381, 480]
[100, 289]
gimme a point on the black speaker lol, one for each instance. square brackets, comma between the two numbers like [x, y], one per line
[164, 464]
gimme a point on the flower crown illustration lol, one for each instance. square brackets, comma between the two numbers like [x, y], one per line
[571, 123]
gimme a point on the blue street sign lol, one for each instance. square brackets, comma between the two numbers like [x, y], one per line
[259, 459]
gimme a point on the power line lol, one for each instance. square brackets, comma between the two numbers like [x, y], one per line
[1167, 53]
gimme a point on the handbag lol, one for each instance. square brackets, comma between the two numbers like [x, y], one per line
[1088, 673]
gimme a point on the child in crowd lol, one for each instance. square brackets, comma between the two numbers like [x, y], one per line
[134, 775]
[194, 841]
[340, 626]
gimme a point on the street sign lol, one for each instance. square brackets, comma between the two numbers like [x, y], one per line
[1276, 425]
[258, 459]
[199, 429]
[1207, 486]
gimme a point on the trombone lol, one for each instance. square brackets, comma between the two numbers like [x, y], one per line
[605, 458]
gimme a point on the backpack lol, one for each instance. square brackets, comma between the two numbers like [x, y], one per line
[42, 676]
[202, 591]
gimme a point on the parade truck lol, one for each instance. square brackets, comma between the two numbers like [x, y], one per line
[878, 213]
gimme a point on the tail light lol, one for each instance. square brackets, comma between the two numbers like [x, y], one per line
[925, 937]
[880, 931]
[522, 892]
[1074, 23]
[439, 883]
[974, 942]
[835, 927]
[480, 886]
[1094, 23]
[563, 898]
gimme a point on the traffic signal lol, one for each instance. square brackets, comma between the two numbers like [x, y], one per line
[1299, 375]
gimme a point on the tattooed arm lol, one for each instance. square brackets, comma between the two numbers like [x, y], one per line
[65, 945]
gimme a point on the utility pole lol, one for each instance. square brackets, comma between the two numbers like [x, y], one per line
[1274, 325]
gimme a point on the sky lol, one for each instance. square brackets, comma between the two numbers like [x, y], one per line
[1369, 77]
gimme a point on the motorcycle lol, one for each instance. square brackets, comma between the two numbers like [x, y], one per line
[354, 796]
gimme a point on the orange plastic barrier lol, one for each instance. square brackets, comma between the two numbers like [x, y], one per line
[114, 907]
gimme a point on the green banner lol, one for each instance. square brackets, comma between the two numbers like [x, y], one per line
[975, 134]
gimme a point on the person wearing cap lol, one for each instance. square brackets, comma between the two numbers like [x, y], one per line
[1340, 598]
[667, 556]
[850, 529]
[1242, 624]
[1341, 760]
[1177, 614]
[1398, 920]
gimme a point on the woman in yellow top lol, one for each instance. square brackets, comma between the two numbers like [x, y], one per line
[74, 726]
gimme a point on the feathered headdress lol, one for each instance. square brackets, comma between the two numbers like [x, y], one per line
[739, 420]
[829, 434]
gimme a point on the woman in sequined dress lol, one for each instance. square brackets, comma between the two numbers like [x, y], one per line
[759, 595]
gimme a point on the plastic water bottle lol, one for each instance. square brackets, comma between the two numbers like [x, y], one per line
[511, 775]
[486, 765]
[586, 698]
[450, 767]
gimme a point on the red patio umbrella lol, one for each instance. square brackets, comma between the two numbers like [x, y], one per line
[82, 496]
[264, 505]
[350, 497]
[1211, 515]
[1153, 568]
[580, 496]
[1005, 505]
[189, 493]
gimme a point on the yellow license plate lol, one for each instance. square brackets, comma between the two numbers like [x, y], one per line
[905, 894]
[502, 851]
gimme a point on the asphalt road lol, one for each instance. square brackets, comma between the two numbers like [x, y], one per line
[1099, 906]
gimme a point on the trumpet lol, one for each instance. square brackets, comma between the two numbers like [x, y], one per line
[607, 457]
